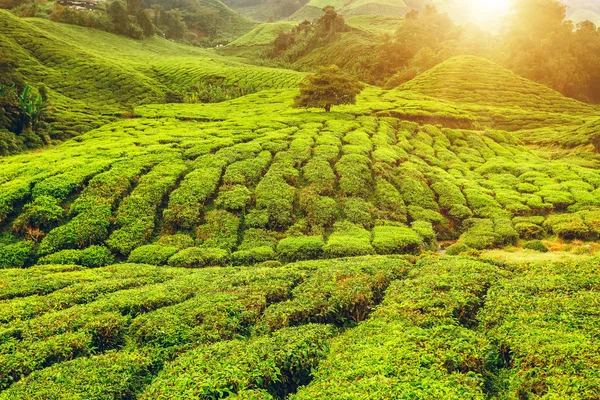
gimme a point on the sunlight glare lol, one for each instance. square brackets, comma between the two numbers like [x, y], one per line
[489, 12]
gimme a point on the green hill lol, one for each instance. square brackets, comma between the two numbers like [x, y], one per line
[467, 79]
[262, 34]
[93, 76]
[422, 243]
[388, 8]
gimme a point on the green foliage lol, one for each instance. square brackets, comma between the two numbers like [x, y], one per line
[529, 231]
[300, 248]
[92, 257]
[186, 202]
[348, 240]
[456, 249]
[136, 215]
[234, 198]
[219, 230]
[152, 254]
[536, 245]
[568, 226]
[329, 87]
[279, 363]
[42, 214]
[396, 240]
[17, 255]
[198, 257]
[253, 256]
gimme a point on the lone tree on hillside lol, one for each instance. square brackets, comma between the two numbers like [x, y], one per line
[329, 87]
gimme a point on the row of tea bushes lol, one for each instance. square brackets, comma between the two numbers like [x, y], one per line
[545, 323]
[76, 319]
[259, 245]
[419, 343]
[346, 179]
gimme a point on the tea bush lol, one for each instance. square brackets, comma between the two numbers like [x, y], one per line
[348, 239]
[152, 254]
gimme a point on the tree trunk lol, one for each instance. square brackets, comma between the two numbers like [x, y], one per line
[327, 107]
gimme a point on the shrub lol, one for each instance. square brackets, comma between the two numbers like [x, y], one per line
[536, 245]
[187, 201]
[257, 218]
[417, 213]
[396, 240]
[568, 226]
[136, 215]
[412, 187]
[456, 249]
[254, 237]
[459, 213]
[279, 362]
[180, 241]
[480, 234]
[358, 211]
[219, 230]
[253, 256]
[320, 210]
[234, 198]
[115, 374]
[355, 177]
[348, 240]
[389, 202]
[319, 174]
[43, 214]
[448, 194]
[341, 292]
[426, 231]
[91, 257]
[198, 257]
[276, 197]
[505, 232]
[300, 248]
[17, 255]
[152, 254]
[528, 230]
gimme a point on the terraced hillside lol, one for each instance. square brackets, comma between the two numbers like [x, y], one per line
[390, 8]
[252, 180]
[247, 249]
[451, 328]
[93, 76]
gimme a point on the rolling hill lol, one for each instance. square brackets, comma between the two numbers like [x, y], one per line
[94, 76]
[247, 249]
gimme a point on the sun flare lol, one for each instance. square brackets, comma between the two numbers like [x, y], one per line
[489, 12]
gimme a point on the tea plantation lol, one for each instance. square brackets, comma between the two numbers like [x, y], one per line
[250, 250]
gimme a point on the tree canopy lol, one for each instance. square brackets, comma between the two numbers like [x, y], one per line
[330, 86]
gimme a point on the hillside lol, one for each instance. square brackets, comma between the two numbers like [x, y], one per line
[250, 179]
[388, 8]
[261, 35]
[94, 76]
[189, 234]
[467, 79]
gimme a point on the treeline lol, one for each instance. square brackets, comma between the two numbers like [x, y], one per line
[423, 40]
[195, 22]
[538, 42]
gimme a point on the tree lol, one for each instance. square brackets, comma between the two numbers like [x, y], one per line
[134, 6]
[118, 15]
[330, 86]
[145, 23]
